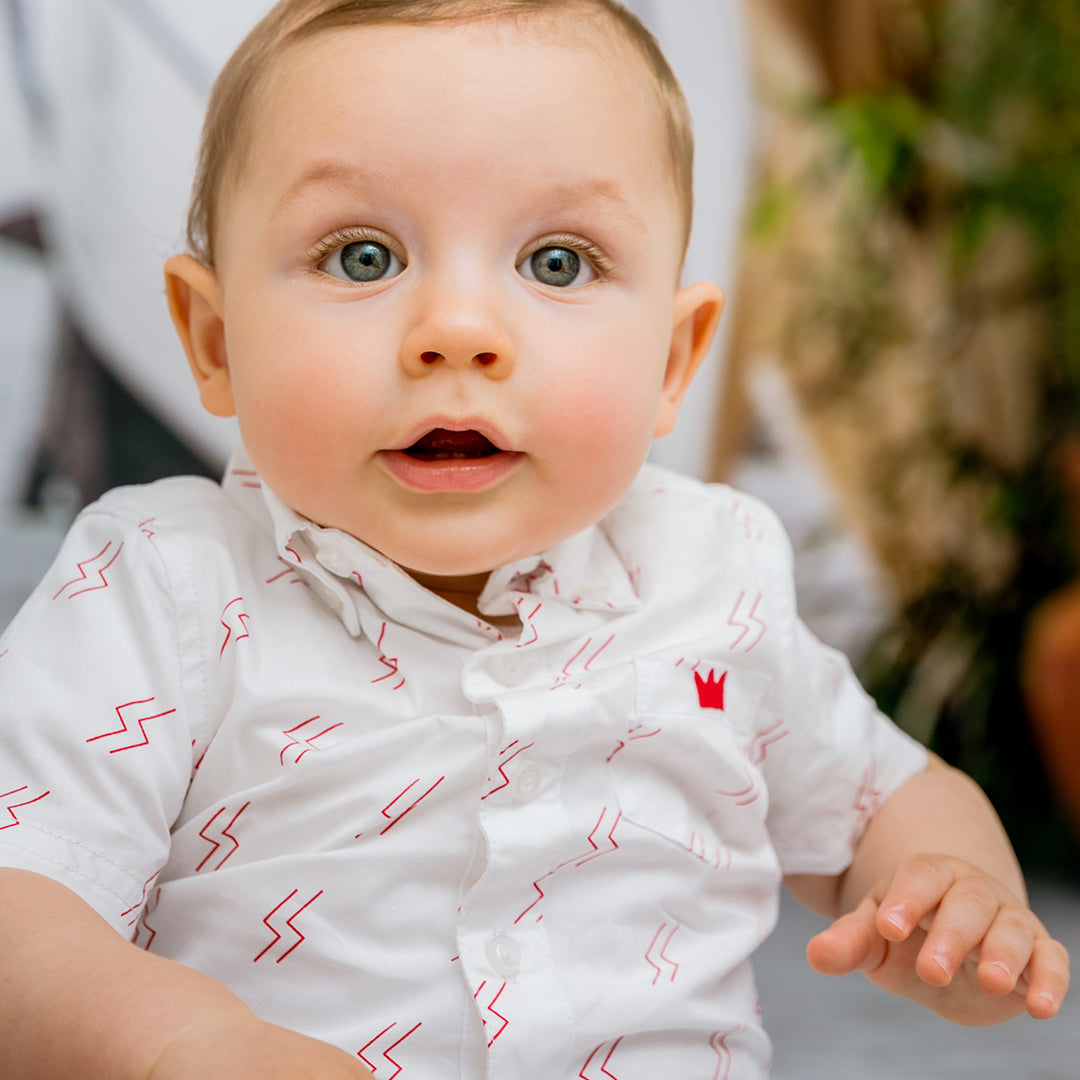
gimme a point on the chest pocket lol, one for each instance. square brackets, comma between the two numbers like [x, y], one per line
[685, 770]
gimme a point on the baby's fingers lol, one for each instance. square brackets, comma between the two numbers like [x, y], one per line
[1006, 951]
[914, 893]
[852, 943]
[967, 914]
[1047, 978]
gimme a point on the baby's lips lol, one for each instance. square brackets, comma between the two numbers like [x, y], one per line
[470, 435]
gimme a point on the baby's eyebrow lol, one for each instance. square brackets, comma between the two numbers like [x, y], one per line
[587, 194]
[591, 194]
[330, 173]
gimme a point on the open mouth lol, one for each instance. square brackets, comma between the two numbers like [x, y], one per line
[443, 445]
[449, 461]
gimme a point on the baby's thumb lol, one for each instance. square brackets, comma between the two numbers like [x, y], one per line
[852, 943]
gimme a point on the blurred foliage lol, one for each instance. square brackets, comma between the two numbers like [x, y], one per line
[976, 136]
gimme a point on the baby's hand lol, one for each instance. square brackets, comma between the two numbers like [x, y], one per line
[948, 935]
[247, 1047]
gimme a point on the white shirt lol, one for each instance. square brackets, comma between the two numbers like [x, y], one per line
[258, 747]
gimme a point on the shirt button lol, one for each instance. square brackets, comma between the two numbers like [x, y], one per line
[504, 955]
[505, 669]
[526, 782]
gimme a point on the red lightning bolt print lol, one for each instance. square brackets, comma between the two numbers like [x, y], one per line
[745, 796]
[140, 721]
[751, 525]
[375, 1066]
[83, 577]
[142, 899]
[300, 936]
[241, 617]
[529, 622]
[248, 478]
[389, 662]
[293, 578]
[223, 832]
[586, 1075]
[505, 760]
[633, 734]
[718, 1041]
[308, 742]
[759, 745]
[490, 1008]
[662, 952]
[11, 807]
[388, 808]
[578, 860]
[143, 926]
[565, 677]
[723, 853]
[867, 801]
[751, 622]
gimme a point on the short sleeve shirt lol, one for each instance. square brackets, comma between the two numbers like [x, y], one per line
[256, 746]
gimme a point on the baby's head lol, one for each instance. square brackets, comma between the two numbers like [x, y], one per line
[438, 279]
[234, 104]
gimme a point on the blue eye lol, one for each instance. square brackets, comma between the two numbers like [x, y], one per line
[559, 267]
[363, 261]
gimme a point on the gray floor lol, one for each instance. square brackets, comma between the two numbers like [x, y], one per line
[846, 1029]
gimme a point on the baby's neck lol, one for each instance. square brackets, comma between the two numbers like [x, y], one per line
[464, 592]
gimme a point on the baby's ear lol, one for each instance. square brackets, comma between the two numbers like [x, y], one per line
[697, 313]
[197, 309]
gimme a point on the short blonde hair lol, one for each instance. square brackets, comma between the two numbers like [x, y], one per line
[226, 131]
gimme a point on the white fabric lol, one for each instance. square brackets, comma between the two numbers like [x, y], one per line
[256, 746]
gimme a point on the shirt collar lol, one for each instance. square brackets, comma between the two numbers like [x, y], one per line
[583, 572]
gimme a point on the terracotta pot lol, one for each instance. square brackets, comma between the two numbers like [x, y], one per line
[1051, 670]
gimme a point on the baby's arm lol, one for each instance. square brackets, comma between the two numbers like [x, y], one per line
[76, 999]
[936, 909]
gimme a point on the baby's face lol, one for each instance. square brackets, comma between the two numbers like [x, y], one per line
[449, 272]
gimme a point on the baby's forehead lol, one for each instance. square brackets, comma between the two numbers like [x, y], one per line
[595, 33]
[279, 81]
[486, 81]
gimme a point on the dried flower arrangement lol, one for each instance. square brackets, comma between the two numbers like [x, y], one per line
[913, 269]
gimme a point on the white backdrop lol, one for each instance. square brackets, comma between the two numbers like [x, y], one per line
[123, 84]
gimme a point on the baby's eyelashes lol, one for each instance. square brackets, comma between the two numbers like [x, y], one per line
[563, 262]
[358, 256]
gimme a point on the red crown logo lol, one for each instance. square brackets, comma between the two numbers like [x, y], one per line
[710, 691]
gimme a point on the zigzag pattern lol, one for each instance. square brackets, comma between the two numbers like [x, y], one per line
[373, 1066]
[584, 1074]
[12, 807]
[83, 577]
[225, 834]
[300, 937]
[123, 729]
[751, 620]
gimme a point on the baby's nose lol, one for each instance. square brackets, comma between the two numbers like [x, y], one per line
[458, 329]
[484, 359]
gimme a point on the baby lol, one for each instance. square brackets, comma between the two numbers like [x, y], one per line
[445, 737]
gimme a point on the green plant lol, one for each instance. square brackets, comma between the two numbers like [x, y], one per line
[965, 173]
